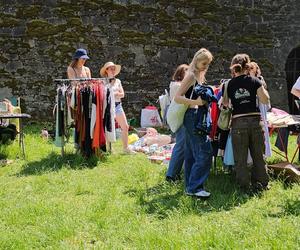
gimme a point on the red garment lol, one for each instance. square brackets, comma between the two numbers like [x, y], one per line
[214, 113]
[99, 135]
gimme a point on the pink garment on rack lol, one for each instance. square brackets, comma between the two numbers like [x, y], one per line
[278, 111]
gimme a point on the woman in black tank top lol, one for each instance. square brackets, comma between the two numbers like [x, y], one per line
[246, 127]
[76, 69]
[198, 150]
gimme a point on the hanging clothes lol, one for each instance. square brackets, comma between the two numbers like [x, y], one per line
[81, 104]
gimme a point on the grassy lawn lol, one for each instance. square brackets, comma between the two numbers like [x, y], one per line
[122, 201]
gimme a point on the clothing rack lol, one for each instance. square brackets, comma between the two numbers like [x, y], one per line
[107, 80]
[67, 80]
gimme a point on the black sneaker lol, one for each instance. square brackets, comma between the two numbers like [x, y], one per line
[170, 179]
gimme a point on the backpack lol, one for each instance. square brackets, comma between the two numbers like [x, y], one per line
[164, 102]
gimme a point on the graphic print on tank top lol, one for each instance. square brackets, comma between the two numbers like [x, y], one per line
[243, 95]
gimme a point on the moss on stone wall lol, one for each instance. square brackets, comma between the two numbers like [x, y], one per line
[74, 22]
[67, 10]
[225, 54]
[181, 17]
[162, 17]
[132, 36]
[30, 11]
[255, 40]
[90, 5]
[266, 64]
[68, 36]
[198, 30]
[58, 53]
[9, 20]
[200, 6]
[170, 43]
[14, 46]
[41, 28]
[213, 17]
[3, 72]
[3, 59]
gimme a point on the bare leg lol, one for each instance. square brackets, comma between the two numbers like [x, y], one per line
[122, 121]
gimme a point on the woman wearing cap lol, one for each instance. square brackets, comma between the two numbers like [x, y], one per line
[76, 69]
[111, 70]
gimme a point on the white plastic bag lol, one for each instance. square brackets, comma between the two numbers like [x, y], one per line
[150, 117]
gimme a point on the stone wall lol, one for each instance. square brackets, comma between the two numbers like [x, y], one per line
[148, 38]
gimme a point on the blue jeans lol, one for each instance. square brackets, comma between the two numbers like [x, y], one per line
[197, 154]
[177, 157]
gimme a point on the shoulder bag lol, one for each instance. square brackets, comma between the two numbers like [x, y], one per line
[175, 114]
[224, 119]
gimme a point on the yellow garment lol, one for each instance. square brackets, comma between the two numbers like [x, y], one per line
[132, 138]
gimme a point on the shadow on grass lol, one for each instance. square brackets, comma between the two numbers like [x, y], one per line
[166, 198]
[55, 162]
[291, 207]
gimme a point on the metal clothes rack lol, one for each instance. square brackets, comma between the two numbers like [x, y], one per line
[63, 80]
[83, 80]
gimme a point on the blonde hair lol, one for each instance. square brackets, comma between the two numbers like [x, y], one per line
[201, 55]
[256, 67]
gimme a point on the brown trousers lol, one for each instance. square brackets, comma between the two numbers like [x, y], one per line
[247, 133]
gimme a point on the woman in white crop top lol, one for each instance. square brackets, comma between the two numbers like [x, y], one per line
[111, 70]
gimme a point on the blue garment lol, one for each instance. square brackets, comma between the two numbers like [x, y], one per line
[177, 156]
[197, 154]
[204, 122]
[118, 108]
[206, 93]
[228, 154]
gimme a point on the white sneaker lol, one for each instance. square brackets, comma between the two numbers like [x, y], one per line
[200, 194]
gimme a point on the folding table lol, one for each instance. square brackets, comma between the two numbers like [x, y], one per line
[21, 133]
[275, 123]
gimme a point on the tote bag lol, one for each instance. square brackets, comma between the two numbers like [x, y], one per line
[175, 114]
[224, 119]
[150, 117]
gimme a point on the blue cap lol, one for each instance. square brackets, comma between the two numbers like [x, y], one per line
[80, 53]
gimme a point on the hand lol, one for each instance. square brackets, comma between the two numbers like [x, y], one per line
[118, 93]
[199, 101]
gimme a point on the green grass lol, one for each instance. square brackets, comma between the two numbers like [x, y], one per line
[123, 201]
